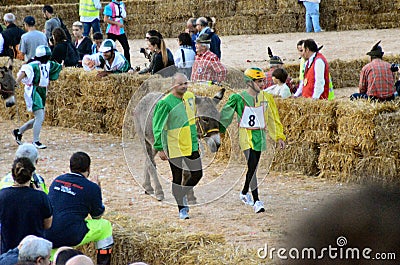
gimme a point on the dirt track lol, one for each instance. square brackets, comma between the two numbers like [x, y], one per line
[287, 195]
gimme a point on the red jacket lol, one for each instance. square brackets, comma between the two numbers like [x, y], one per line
[309, 78]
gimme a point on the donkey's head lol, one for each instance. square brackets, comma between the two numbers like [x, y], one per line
[207, 120]
[7, 83]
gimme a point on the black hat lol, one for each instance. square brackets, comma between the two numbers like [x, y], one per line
[29, 20]
[204, 38]
[376, 50]
[275, 60]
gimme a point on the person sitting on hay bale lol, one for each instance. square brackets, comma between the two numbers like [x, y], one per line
[316, 83]
[376, 78]
[108, 58]
[73, 198]
[255, 109]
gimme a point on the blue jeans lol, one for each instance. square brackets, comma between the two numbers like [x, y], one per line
[312, 16]
[95, 24]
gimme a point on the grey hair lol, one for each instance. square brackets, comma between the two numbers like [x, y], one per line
[176, 75]
[9, 17]
[206, 45]
[34, 248]
[29, 151]
[202, 21]
[80, 260]
[192, 21]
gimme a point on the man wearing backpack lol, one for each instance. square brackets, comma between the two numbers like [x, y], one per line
[53, 22]
[10, 38]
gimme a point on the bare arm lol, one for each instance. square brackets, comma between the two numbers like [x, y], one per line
[47, 222]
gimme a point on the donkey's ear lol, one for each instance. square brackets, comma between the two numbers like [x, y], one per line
[10, 63]
[220, 94]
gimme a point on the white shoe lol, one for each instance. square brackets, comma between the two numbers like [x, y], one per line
[39, 145]
[259, 207]
[246, 199]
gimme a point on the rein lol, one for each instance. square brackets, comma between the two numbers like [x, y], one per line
[203, 132]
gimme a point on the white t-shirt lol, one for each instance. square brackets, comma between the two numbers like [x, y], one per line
[279, 90]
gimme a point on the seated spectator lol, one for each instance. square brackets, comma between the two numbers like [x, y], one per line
[66, 254]
[36, 250]
[73, 198]
[82, 43]
[97, 39]
[108, 58]
[31, 207]
[64, 50]
[147, 53]
[184, 56]
[376, 78]
[207, 66]
[80, 260]
[202, 25]
[55, 252]
[29, 151]
[162, 56]
[279, 88]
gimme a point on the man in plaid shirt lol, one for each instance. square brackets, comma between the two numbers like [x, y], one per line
[207, 66]
[376, 78]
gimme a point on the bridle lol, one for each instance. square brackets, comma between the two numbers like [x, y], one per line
[204, 133]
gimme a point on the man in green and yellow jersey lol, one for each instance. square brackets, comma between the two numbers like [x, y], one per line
[175, 138]
[256, 111]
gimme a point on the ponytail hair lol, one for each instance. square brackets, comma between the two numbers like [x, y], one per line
[22, 170]
[154, 40]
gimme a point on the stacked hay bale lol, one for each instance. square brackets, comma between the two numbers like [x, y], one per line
[160, 243]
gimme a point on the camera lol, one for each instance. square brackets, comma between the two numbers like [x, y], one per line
[394, 67]
[145, 52]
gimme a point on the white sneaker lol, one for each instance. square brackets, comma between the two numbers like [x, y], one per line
[39, 145]
[246, 199]
[259, 207]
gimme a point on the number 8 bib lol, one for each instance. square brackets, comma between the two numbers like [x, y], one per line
[252, 118]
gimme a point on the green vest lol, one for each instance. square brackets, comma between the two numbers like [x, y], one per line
[87, 9]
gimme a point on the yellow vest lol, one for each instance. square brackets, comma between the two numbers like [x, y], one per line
[87, 9]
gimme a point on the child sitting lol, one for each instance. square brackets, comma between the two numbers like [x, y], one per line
[279, 88]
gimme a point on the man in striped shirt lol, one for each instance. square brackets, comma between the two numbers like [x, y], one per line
[376, 78]
[207, 66]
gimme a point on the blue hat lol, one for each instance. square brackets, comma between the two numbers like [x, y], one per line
[29, 20]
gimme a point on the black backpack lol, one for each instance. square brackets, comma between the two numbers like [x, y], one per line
[72, 56]
[65, 30]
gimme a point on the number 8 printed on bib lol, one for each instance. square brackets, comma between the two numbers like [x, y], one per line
[252, 118]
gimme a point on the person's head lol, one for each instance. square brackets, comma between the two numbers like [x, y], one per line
[98, 38]
[108, 48]
[279, 76]
[152, 33]
[29, 22]
[191, 25]
[157, 45]
[42, 54]
[376, 51]
[77, 29]
[201, 23]
[300, 47]
[47, 11]
[179, 84]
[80, 260]
[185, 39]
[309, 48]
[203, 43]
[35, 250]
[22, 170]
[275, 62]
[59, 35]
[254, 78]
[9, 18]
[29, 151]
[58, 251]
[66, 254]
[79, 162]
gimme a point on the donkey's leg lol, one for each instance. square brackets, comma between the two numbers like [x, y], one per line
[152, 170]
[190, 195]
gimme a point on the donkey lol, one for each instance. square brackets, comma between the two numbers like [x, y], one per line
[207, 122]
[7, 83]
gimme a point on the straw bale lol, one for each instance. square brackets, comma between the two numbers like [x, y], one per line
[168, 10]
[238, 25]
[382, 169]
[255, 7]
[299, 157]
[363, 19]
[355, 123]
[387, 134]
[161, 243]
[220, 8]
[337, 161]
[386, 20]
[284, 6]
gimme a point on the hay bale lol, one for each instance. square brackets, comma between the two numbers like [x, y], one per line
[387, 134]
[381, 169]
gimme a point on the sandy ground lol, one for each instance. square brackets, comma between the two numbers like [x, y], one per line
[287, 196]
